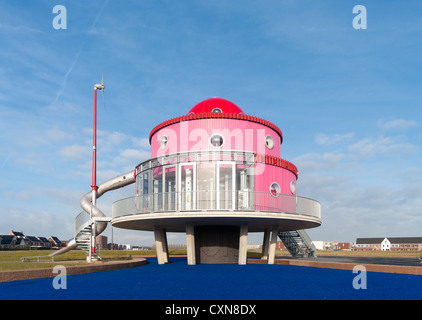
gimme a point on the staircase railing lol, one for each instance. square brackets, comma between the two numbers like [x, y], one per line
[83, 232]
[298, 243]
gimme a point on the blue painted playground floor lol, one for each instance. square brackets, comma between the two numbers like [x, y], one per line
[179, 281]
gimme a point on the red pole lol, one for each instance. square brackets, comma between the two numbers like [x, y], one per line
[94, 147]
[94, 169]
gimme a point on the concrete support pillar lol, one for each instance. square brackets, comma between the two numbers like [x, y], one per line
[161, 245]
[265, 244]
[243, 244]
[190, 244]
[273, 242]
[165, 245]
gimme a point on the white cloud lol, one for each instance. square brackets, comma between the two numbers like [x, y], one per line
[56, 134]
[323, 139]
[76, 152]
[142, 143]
[315, 161]
[390, 146]
[397, 124]
[135, 155]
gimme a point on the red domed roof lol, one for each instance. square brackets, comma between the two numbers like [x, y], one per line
[217, 105]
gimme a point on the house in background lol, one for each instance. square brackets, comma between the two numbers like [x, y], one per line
[389, 244]
[17, 240]
[44, 242]
[7, 241]
[56, 243]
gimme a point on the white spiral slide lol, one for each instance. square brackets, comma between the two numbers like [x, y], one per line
[86, 204]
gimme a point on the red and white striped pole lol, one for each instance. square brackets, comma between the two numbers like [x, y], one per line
[94, 150]
[94, 186]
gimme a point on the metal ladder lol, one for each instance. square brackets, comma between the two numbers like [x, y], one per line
[298, 243]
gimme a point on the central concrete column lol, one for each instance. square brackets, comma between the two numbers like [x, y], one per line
[217, 244]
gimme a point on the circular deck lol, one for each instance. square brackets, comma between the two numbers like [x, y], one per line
[141, 213]
[176, 221]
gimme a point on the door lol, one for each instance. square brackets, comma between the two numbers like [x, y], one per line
[226, 186]
[186, 187]
[169, 190]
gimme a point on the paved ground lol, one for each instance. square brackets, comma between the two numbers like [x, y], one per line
[179, 281]
[396, 261]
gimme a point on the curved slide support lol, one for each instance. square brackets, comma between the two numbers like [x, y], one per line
[86, 204]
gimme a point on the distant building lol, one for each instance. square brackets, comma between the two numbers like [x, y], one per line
[18, 240]
[33, 241]
[345, 246]
[7, 241]
[389, 244]
[101, 242]
[280, 246]
[319, 245]
[44, 242]
[17, 234]
[406, 243]
[56, 243]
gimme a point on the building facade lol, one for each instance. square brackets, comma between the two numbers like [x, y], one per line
[216, 174]
[389, 244]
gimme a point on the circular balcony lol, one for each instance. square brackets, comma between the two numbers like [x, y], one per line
[173, 210]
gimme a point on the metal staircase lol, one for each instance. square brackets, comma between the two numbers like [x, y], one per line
[83, 239]
[84, 235]
[298, 243]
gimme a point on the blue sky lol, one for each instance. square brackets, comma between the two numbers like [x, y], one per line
[348, 101]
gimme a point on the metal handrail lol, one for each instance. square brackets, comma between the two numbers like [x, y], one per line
[81, 221]
[37, 259]
[207, 200]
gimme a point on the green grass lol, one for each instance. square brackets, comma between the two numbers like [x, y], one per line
[11, 260]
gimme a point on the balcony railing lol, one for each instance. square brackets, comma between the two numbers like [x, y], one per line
[214, 201]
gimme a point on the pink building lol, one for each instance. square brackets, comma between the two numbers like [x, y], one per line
[216, 174]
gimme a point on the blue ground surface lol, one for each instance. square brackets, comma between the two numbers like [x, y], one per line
[179, 281]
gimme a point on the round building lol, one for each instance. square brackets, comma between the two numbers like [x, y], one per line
[216, 174]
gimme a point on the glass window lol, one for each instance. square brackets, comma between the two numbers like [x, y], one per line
[217, 140]
[145, 182]
[269, 142]
[216, 110]
[293, 187]
[163, 142]
[169, 181]
[206, 185]
[275, 189]
[157, 188]
[145, 190]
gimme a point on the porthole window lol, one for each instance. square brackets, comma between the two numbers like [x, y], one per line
[163, 142]
[293, 187]
[217, 140]
[216, 110]
[275, 189]
[269, 142]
